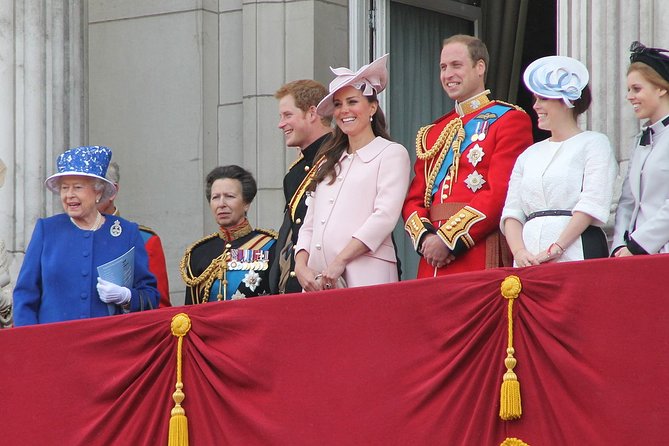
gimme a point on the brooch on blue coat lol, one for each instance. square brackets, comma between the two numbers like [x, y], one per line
[116, 229]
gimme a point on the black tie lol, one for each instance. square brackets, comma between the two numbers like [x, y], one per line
[645, 136]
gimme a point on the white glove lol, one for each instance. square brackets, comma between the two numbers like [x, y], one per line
[111, 293]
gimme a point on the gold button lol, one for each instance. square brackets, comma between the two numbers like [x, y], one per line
[449, 227]
[458, 219]
[446, 186]
[462, 215]
[298, 220]
[306, 168]
[292, 274]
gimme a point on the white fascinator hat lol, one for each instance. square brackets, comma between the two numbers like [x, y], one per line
[557, 77]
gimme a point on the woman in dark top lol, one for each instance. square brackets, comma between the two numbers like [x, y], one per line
[232, 263]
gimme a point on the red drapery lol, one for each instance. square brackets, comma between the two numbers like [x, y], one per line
[419, 362]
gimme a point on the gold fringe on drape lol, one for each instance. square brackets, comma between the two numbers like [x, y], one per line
[178, 433]
[513, 442]
[510, 407]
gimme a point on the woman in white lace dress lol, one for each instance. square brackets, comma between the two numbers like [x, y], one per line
[561, 188]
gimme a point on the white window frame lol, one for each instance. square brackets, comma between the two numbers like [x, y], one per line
[359, 20]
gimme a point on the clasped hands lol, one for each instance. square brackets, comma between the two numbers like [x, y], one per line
[523, 257]
[325, 280]
[435, 252]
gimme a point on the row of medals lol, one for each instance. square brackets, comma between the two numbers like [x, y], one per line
[248, 259]
[480, 133]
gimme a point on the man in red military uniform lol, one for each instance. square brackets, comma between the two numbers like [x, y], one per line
[464, 161]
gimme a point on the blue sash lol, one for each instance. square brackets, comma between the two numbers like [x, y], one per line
[490, 114]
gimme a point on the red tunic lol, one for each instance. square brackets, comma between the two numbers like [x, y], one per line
[464, 209]
[154, 249]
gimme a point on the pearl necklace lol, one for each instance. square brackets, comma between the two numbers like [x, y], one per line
[95, 227]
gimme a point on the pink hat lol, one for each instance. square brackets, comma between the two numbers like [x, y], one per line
[373, 77]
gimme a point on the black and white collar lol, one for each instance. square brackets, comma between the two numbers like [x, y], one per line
[650, 132]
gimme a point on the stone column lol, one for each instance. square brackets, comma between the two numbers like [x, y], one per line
[5, 288]
[599, 33]
[7, 122]
[41, 91]
[31, 118]
[281, 41]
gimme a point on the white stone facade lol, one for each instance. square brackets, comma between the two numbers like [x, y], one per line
[599, 33]
[174, 87]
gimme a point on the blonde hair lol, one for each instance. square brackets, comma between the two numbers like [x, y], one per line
[649, 74]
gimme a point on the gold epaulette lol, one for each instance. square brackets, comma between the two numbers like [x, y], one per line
[511, 105]
[201, 241]
[450, 138]
[147, 229]
[200, 284]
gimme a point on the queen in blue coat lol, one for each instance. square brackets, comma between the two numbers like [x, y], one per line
[59, 277]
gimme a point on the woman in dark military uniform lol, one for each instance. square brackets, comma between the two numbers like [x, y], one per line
[232, 263]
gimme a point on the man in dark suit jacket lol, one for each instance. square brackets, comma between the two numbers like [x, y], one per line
[304, 129]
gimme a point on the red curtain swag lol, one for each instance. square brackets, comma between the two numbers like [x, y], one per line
[414, 363]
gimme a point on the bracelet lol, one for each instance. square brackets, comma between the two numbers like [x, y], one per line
[548, 251]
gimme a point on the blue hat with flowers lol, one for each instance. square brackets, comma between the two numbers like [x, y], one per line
[88, 161]
[557, 77]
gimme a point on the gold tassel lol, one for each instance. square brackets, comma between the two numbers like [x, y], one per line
[513, 442]
[178, 433]
[510, 407]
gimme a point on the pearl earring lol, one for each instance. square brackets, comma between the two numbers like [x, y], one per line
[371, 118]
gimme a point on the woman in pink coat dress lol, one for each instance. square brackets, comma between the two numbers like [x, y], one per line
[357, 192]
